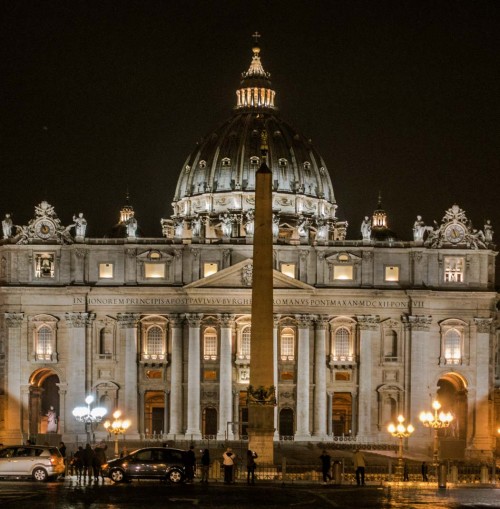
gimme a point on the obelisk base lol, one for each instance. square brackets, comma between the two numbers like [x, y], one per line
[261, 432]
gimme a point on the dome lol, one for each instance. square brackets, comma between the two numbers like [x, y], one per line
[218, 177]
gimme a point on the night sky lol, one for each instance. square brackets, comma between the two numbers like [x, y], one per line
[400, 97]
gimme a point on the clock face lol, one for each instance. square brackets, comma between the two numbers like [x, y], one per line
[45, 229]
[454, 233]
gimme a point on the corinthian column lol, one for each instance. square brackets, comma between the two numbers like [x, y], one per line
[176, 377]
[320, 396]
[368, 324]
[225, 380]
[303, 381]
[193, 390]
[14, 426]
[128, 322]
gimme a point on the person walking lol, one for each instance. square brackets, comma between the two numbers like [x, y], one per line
[425, 471]
[406, 472]
[99, 460]
[205, 465]
[190, 463]
[88, 461]
[78, 462]
[228, 459]
[326, 465]
[359, 466]
[251, 466]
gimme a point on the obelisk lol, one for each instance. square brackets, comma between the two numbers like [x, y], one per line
[261, 390]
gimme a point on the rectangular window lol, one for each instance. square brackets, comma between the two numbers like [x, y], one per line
[391, 273]
[106, 271]
[210, 268]
[288, 269]
[343, 272]
[154, 270]
[210, 347]
[453, 269]
[44, 265]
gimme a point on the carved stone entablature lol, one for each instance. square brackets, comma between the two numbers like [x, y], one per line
[79, 319]
[483, 324]
[128, 320]
[14, 320]
[247, 274]
[418, 322]
[321, 322]
[194, 319]
[227, 321]
[368, 322]
[304, 321]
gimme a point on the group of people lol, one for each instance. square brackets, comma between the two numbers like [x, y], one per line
[87, 462]
[358, 460]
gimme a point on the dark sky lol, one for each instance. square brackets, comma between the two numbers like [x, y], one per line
[398, 96]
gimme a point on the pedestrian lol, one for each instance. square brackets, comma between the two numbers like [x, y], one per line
[425, 470]
[228, 459]
[99, 460]
[78, 462]
[62, 450]
[359, 466]
[406, 472]
[251, 466]
[189, 464]
[88, 462]
[205, 465]
[326, 464]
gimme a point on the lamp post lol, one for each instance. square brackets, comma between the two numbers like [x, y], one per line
[400, 431]
[118, 427]
[436, 422]
[89, 416]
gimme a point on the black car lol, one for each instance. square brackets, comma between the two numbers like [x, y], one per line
[148, 463]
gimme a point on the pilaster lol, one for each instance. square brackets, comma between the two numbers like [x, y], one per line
[303, 431]
[225, 381]
[193, 430]
[320, 397]
[176, 377]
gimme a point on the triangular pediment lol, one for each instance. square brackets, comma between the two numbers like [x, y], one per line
[240, 276]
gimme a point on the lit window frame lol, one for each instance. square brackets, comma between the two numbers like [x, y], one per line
[452, 274]
[289, 269]
[101, 270]
[396, 275]
[210, 344]
[208, 268]
[287, 344]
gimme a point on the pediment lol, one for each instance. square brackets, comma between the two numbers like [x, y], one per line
[240, 276]
[342, 257]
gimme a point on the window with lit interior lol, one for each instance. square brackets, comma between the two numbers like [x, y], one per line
[343, 272]
[106, 271]
[245, 343]
[288, 269]
[287, 344]
[391, 273]
[154, 270]
[154, 349]
[342, 345]
[44, 343]
[453, 269]
[210, 268]
[210, 344]
[452, 346]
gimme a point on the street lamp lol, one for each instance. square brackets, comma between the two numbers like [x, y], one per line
[436, 422]
[400, 431]
[89, 416]
[118, 427]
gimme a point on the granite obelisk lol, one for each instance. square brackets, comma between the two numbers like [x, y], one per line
[261, 390]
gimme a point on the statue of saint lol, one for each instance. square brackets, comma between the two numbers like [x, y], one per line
[7, 226]
[51, 420]
[226, 225]
[196, 226]
[366, 228]
[418, 229]
[131, 227]
[488, 231]
[80, 225]
[249, 225]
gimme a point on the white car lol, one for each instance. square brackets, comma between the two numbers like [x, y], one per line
[41, 462]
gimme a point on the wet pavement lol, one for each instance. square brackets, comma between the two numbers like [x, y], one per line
[26, 494]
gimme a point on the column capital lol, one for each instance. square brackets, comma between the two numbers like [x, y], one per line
[127, 320]
[483, 324]
[321, 322]
[176, 320]
[418, 322]
[78, 320]
[227, 321]
[276, 320]
[14, 320]
[194, 319]
[304, 321]
[368, 322]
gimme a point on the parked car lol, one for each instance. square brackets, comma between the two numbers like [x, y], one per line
[148, 463]
[41, 462]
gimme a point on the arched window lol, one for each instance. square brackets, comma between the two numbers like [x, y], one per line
[210, 344]
[287, 344]
[452, 350]
[154, 343]
[341, 347]
[44, 343]
[390, 346]
[245, 342]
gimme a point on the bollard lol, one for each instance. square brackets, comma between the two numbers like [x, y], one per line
[484, 474]
[442, 473]
[337, 472]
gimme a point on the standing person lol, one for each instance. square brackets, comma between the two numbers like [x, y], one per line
[88, 461]
[251, 466]
[406, 472]
[62, 450]
[425, 470]
[205, 465]
[78, 462]
[99, 460]
[326, 465]
[359, 465]
[190, 463]
[228, 462]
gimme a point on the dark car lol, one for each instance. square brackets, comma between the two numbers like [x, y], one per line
[148, 463]
[41, 462]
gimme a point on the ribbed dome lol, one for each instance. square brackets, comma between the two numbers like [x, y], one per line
[218, 177]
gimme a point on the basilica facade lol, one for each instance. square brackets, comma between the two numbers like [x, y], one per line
[160, 328]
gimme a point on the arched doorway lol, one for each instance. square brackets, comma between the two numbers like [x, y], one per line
[286, 422]
[209, 429]
[44, 403]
